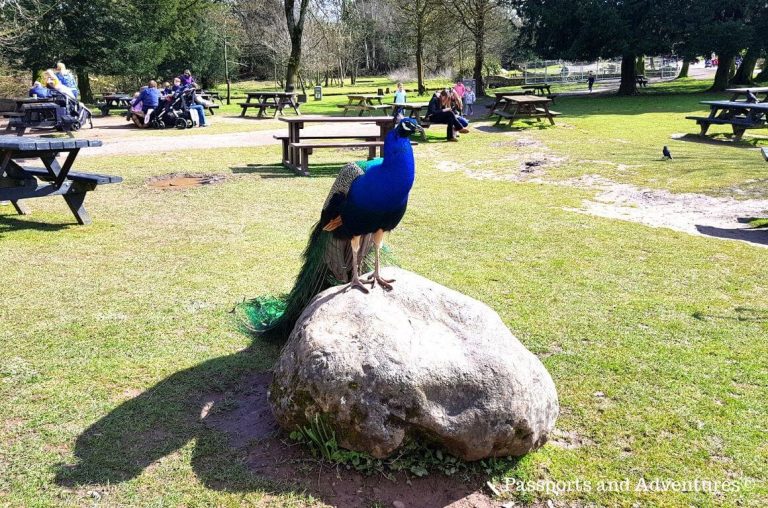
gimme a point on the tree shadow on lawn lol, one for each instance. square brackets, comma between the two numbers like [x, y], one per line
[222, 405]
[752, 235]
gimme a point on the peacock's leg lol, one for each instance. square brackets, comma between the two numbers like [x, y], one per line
[378, 240]
[355, 282]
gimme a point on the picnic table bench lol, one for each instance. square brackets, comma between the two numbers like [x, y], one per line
[110, 101]
[641, 80]
[741, 93]
[524, 106]
[364, 103]
[19, 182]
[296, 154]
[739, 115]
[270, 100]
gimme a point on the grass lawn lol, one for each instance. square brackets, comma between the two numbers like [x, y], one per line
[655, 338]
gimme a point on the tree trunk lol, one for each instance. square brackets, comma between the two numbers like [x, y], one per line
[747, 68]
[420, 61]
[292, 69]
[84, 85]
[684, 69]
[628, 82]
[477, 73]
[722, 74]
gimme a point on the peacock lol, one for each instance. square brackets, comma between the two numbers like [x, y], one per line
[366, 200]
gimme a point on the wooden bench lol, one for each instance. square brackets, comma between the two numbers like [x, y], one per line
[90, 180]
[284, 139]
[261, 105]
[739, 124]
[306, 150]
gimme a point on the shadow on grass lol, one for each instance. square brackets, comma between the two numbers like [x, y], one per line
[752, 235]
[722, 140]
[740, 314]
[10, 224]
[222, 405]
[321, 170]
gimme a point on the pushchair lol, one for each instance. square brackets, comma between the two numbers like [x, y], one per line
[172, 111]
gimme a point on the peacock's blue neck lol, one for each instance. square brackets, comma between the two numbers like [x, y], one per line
[386, 186]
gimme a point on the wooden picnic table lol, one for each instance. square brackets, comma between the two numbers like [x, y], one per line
[19, 180]
[541, 89]
[412, 108]
[114, 101]
[525, 106]
[739, 115]
[212, 94]
[17, 105]
[500, 98]
[363, 103]
[741, 93]
[270, 100]
[296, 153]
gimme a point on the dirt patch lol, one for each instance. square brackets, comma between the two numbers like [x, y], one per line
[696, 214]
[182, 181]
[570, 440]
[247, 421]
[516, 167]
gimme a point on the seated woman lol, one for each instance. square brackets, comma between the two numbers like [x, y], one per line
[457, 106]
[149, 98]
[439, 111]
[66, 78]
[53, 83]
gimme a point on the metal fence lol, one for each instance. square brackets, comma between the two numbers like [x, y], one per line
[561, 71]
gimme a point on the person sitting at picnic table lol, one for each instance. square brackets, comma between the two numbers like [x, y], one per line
[457, 105]
[38, 90]
[200, 108]
[459, 90]
[53, 83]
[186, 78]
[438, 112]
[66, 78]
[167, 89]
[149, 98]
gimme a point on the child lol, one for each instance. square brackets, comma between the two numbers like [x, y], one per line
[469, 100]
[400, 98]
[590, 81]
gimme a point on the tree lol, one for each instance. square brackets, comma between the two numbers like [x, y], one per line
[294, 17]
[420, 17]
[476, 16]
[599, 29]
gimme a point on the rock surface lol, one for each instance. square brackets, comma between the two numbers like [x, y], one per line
[420, 361]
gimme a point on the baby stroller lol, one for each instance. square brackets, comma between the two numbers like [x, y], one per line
[172, 111]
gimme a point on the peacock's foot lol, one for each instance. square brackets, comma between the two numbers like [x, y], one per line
[384, 283]
[356, 283]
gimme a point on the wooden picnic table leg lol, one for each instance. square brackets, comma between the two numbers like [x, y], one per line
[549, 115]
[362, 107]
[4, 161]
[75, 202]
[295, 105]
[21, 209]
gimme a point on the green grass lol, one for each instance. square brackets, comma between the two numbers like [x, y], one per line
[126, 322]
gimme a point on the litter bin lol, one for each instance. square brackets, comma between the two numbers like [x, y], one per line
[318, 93]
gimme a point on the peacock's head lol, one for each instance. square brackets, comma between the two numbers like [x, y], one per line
[407, 127]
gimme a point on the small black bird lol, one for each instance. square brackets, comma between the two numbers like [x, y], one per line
[667, 153]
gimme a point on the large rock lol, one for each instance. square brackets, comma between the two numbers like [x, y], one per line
[420, 361]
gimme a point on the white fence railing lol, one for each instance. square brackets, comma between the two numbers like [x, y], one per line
[561, 71]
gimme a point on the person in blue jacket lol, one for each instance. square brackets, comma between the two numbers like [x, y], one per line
[66, 78]
[150, 98]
